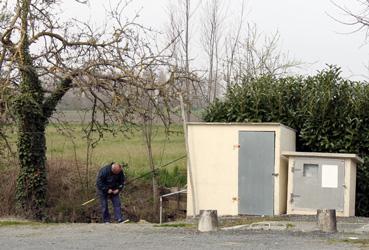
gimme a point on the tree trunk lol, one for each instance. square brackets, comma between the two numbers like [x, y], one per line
[32, 111]
[31, 122]
[32, 182]
[155, 186]
[147, 126]
[188, 84]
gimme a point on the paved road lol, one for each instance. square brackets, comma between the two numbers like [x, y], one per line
[146, 236]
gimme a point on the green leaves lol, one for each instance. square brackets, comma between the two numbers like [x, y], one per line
[329, 113]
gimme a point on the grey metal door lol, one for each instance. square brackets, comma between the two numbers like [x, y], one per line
[255, 173]
[318, 184]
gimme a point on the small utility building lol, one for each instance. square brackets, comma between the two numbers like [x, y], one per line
[238, 168]
[321, 181]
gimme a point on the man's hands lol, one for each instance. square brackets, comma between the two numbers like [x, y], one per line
[111, 191]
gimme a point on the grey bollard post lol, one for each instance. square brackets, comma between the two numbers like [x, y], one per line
[327, 221]
[208, 221]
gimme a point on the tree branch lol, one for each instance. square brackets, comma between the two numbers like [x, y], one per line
[50, 102]
[65, 42]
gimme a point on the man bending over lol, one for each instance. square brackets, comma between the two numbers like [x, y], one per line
[109, 183]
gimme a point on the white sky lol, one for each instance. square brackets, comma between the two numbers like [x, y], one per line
[307, 32]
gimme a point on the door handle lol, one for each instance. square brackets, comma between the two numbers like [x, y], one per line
[275, 174]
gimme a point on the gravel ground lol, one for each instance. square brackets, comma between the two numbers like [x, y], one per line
[146, 236]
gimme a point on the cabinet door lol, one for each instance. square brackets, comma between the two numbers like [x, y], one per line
[318, 184]
[255, 172]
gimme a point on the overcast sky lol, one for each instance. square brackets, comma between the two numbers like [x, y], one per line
[307, 32]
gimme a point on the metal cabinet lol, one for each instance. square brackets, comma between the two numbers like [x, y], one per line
[321, 181]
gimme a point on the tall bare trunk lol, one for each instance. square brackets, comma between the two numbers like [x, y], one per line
[188, 82]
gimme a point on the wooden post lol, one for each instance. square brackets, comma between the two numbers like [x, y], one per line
[208, 221]
[327, 220]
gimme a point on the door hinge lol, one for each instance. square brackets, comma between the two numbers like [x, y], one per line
[292, 196]
[293, 169]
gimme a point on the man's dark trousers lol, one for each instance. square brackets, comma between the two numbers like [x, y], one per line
[104, 198]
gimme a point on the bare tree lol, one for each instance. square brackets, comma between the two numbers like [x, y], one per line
[253, 54]
[180, 28]
[211, 35]
[231, 45]
[359, 19]
[154, 110]
[244, 52]
[42, 58]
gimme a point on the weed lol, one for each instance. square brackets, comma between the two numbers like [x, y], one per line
[185, 225]
[290, 225]
[18, 223]
[362, 242]
[175, 178]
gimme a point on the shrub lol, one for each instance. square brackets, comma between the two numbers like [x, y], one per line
[329, 113]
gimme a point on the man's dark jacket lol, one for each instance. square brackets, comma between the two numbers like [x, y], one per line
[106, 180]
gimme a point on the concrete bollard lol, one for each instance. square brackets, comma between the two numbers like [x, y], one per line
[208, 221]
[327, 221]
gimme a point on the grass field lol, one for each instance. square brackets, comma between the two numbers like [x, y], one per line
[71, 144]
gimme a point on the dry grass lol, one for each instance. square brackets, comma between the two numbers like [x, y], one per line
[67, 191]
[8, 179]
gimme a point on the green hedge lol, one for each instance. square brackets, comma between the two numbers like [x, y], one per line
[330, 114]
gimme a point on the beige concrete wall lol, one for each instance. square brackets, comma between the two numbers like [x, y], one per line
[214, 159]
[350, 178]
[291, 161]
[288, 143]
[346, 204]
[214, 164]
[288, 139]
